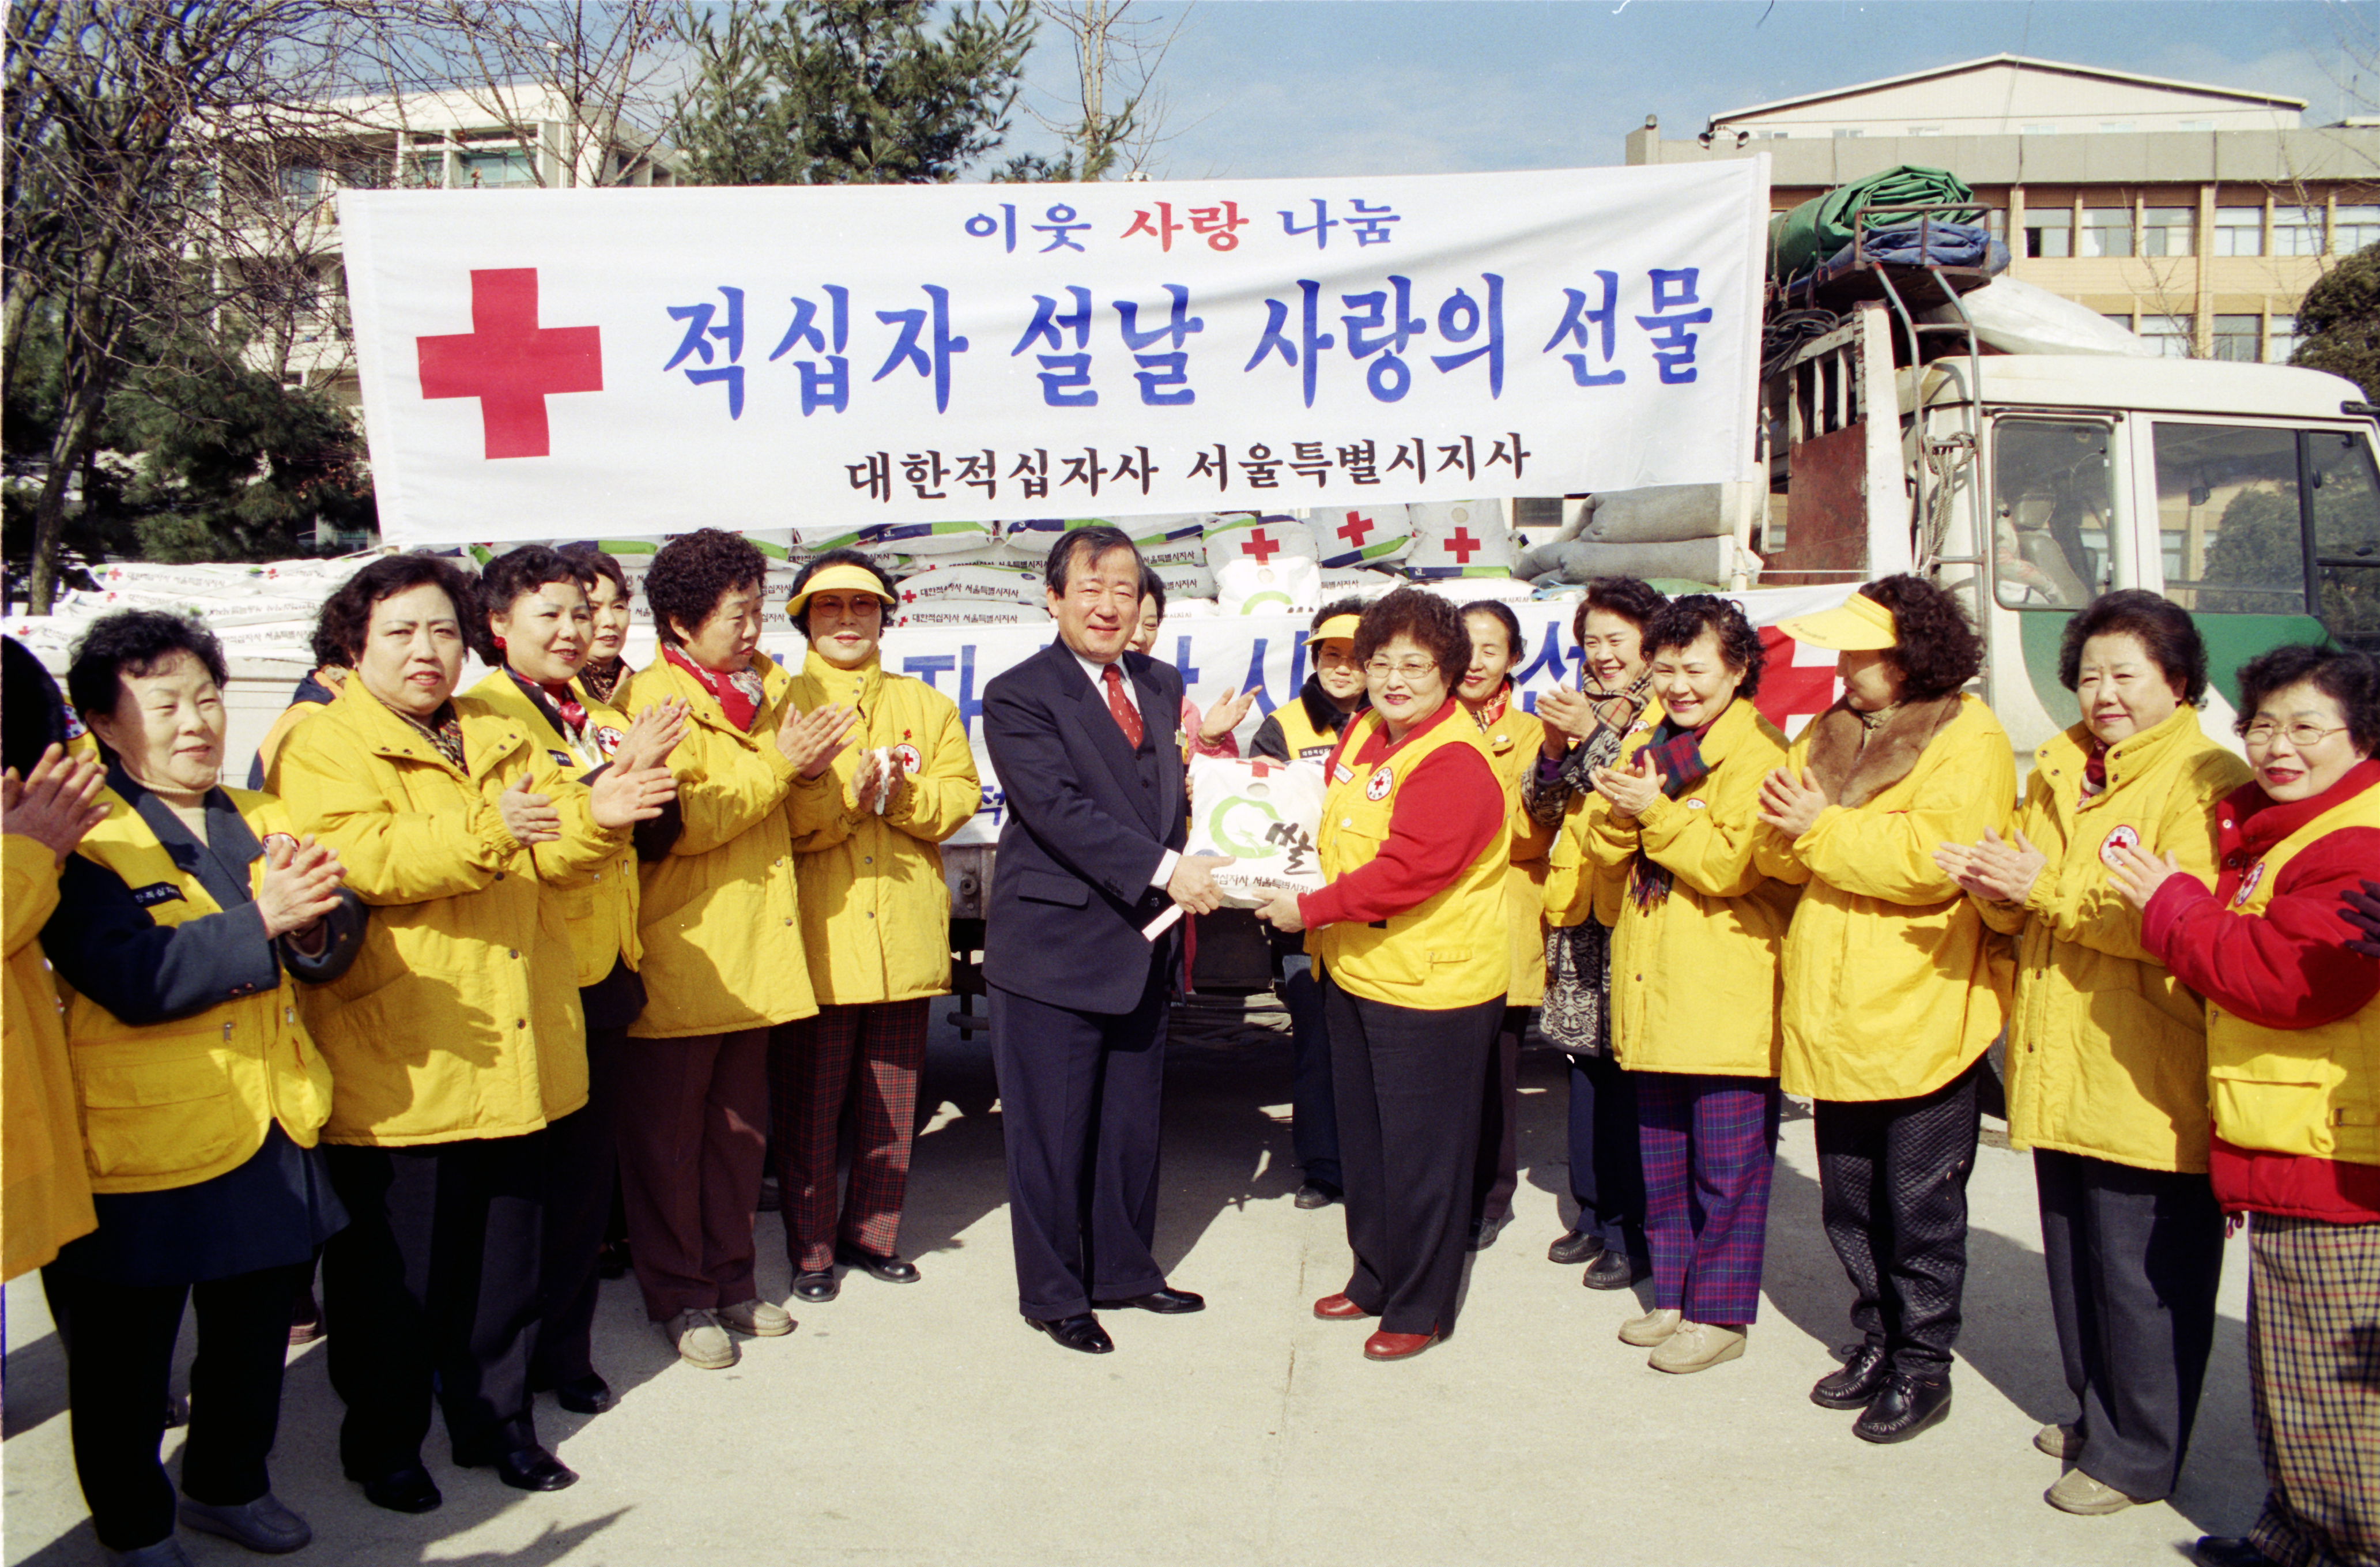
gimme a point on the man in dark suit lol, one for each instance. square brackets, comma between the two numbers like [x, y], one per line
[1082, 736]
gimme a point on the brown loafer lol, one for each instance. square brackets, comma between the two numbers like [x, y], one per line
[1338, 1308]
[1385, 1346]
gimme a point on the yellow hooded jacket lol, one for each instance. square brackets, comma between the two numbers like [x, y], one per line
[44, 1186]
[1694, 974]
[2107, 1050]
[1514, 743]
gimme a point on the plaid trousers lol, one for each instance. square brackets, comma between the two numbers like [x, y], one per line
[812, 1081]
[1709, 1146]
[2314, 1378]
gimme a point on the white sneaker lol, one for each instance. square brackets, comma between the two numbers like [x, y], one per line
[756, 1318]
[699, 1339]
[1651, 1329]
[2059, 1440]
[1698, 1346]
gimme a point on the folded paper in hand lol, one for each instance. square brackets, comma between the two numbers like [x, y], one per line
[1262, 814]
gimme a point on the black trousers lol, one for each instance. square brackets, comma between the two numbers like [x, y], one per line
[1892, 1184]
[582, 1171]
[1408, 1084]
[119, 1344]
[1313, 1118]
[1607, 1169]
[1080, 1097]
[1496, 1165]
[436, 1273]
[2134, 1258]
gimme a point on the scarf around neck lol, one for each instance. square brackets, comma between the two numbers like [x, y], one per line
[1678, 756]
[739, 695]
[602, 677]
[1856, 756]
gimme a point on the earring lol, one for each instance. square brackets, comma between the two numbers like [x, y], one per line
[500, 642]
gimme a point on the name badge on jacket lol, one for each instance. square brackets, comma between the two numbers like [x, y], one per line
[156, 893]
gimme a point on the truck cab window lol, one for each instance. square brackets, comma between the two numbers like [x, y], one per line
[2346, 534]
[2229, 533]
[2052, 495]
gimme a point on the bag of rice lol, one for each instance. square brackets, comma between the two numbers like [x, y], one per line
[1247, 586]
[1245, 536]
[1264, 814]
[1354, 536]
[1464, 538]
[937, 582]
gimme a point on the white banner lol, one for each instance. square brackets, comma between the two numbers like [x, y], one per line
[578, 363]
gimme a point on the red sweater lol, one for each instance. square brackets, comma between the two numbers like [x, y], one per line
[1447, 810]
[2287, 970]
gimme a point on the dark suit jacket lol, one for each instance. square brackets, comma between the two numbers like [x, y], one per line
[1087, 821]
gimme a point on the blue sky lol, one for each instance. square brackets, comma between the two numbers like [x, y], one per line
[1261, 88]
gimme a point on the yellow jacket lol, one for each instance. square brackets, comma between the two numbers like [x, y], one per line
[600, 913]
[722, 949]
[1893, 983]
[875, 910]
[2107, 1050]
[1513, 745]
[1693, 975]
[460, 1018]
[174, 1103]
[44, 1188]
[2309, 1091]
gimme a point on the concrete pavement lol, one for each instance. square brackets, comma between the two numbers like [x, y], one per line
[927, 1424]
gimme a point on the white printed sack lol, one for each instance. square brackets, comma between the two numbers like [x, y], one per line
[1284, 587]
[1186, 581]
[923, 586]
[1354, 536]
[934, 538]
[1263, 814]
[1464, 538]
[970, 612]
[1266, 539]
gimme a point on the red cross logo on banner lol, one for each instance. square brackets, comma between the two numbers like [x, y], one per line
[1462, 546]
[1355, 530]
[510, 363]
[1261, 547]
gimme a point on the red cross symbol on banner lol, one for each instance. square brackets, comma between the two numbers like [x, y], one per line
[1462, 546]
[1355, 530]
[510, 363]
[1261, 547]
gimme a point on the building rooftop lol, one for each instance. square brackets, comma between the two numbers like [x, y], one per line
[2234, 96]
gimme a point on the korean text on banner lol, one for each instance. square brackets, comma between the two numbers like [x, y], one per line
[576, 363]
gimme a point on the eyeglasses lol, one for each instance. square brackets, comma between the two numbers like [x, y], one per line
[2304, 736]
[1412, 669]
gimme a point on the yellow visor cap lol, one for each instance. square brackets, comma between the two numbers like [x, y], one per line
[840, 578]
[1858, 625]
[1338, 628]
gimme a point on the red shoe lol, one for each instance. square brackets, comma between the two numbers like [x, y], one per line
[1338, 1308]
[1385, 1346]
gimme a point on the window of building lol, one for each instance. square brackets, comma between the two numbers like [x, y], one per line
[2236, 337]
[2116, 127]
[2354, 228]
[2238, 231]
[2166, 231]
[2052, 495]
[2040, 130]
[2170, 333]
[493, 167]
[1778, 135]
[2107, 231]
[2049, 231]
[1848, 131]
[2121, 318]
[1996, 223]
[2230, 536]
[2297, 230]
[2195, 125]
[1925, 130]
[2281, 340]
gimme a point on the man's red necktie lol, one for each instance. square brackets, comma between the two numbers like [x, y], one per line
[1128, 717]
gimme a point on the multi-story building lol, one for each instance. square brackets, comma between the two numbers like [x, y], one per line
[2197, 217]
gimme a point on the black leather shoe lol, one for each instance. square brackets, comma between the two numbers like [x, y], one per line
[1317, 1194]
[2230, 1551]
[1613, 1270]
[822, 1285]
[589, 1394]
[1859, 1381]
[1165, 1303]
[1575, 1247]
[1080, 1331]
[526, 1469]
[410, 1490]
[1484, 1234]
[891, 1269]
[1905, 1407]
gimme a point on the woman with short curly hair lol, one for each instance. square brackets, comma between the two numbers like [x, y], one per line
[1412, 936]
[1894, 986]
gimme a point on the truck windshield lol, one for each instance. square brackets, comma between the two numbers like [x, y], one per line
[2237, 507]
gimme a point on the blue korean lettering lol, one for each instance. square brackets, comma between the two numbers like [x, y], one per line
[1065, 378]
[1321, 227]
[1370, 224]
[930, 666]
[1061, 227]
[1461, 318]
[983, 226]
[1673, 346]
[1164, 378]
[1551, 661]
[1377, 329]
[1575, 321]
[700, 335]
[908, 350]
[1182, 664]
[829, 387]
[970, 705]
[1314, 341]
[1255, 679]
